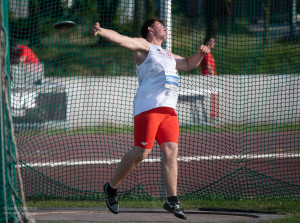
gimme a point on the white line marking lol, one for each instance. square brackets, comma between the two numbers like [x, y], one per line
[157, 160]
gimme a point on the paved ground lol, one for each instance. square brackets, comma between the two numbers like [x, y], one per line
[144, 215]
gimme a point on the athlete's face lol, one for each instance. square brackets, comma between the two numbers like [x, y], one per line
[159, 30]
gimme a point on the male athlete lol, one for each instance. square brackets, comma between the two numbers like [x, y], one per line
[154, 106]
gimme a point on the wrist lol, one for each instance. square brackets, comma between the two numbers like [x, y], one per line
[201, 54]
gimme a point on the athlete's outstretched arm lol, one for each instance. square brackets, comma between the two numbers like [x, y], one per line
[191, 62]
[133, 44]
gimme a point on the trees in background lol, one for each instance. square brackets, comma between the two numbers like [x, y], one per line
[210, 8]
[228, 5]
[266, 4]
[216, 10]
[107, 13]
[217, 14]
[143, 10]
[292, 17]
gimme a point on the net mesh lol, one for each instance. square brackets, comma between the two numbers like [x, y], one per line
[12, 202]
[238, 114]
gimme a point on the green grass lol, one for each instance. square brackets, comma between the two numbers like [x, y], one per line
[280, 206]
[111, 130]
[241, 128]
[249, 55]
[290, 208]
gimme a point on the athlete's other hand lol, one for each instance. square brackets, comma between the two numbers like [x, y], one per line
[96, 29]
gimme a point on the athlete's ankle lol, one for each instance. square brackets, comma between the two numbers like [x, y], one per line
[111, 190]
[173, 199]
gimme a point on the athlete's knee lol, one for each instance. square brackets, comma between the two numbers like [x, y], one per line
[169, 149]
[140, 153]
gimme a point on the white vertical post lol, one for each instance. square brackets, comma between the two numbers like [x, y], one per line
[294, 12]
[293, 18]
[166, 15]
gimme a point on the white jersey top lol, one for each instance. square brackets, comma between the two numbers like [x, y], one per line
[158, 81]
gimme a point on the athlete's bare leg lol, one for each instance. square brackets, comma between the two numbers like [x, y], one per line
[170, 167]
[128, 163]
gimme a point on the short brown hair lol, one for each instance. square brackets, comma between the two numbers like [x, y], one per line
[149, 23]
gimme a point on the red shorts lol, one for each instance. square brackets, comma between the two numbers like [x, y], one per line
[158, 123]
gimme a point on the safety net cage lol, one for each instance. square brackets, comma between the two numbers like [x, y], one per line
[71, 97]
[12, 201]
